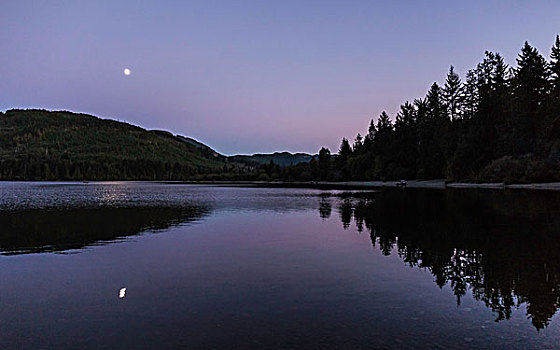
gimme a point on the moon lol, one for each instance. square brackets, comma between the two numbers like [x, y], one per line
[126, 71]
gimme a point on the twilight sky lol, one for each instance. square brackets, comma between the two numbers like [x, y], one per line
[252, 76]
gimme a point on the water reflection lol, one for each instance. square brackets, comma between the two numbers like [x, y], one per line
[58, 230]
[503, 247]
[325, 209]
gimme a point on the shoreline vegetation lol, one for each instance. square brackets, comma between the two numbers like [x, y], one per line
[501, 125]
[498, 129]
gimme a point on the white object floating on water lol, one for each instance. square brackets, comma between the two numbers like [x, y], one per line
[122, 293]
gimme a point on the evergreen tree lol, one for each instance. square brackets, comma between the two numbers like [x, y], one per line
[383, 146]
[436, 106]
[371, 130]
[484, 78]
[549, 136]
[499, 74]
[452, 92]
[530, 89]
[433, 141]
[405, 117]
[358, 143]
[531, 78]
[345, 150]
[554, 120]
[470, 96]
[384, 124]
[555, 67]
[405, 143]
[369, 138]
[500, 109]
[361, 163]
[477, 141]
[324, 163]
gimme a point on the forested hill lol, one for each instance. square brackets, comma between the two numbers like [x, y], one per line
[43, 145]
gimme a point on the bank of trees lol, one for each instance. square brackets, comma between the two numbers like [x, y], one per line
[500, 124]
[43, 145]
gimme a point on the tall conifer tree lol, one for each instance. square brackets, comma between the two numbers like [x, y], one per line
[452, 92]
[555, 68]
[530, 88]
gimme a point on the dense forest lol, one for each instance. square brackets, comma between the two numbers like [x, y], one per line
[501, 124]
[43, 145]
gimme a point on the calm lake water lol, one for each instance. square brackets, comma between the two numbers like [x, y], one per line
[231, 267]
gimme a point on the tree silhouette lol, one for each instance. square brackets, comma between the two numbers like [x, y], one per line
[502, 124]
[453, 93]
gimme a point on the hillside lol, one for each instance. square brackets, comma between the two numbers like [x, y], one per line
[43, 145]
[279, 158]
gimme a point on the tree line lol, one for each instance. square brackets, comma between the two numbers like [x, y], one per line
[500, 124]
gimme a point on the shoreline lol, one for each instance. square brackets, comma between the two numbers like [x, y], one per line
[341, 185]
[361, 185]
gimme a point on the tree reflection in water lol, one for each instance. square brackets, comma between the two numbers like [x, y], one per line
[59, 230]
[325, 209]
[503, 246]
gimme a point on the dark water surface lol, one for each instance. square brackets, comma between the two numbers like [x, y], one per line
[226, 267]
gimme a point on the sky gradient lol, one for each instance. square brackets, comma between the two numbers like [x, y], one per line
[252, 76]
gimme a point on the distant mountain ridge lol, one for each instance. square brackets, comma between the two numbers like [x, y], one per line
[279, 158]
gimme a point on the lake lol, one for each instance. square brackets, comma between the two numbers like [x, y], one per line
[147, 265]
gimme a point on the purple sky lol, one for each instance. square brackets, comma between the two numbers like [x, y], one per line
[252, 76]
